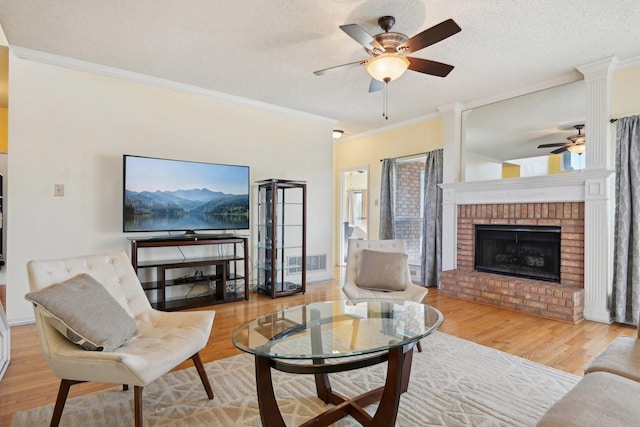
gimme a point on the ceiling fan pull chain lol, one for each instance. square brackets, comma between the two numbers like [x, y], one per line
[385, 99]
[384, 102]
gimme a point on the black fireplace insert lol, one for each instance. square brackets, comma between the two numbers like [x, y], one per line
[515, 250]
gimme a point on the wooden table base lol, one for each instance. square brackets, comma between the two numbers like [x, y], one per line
[397, 381]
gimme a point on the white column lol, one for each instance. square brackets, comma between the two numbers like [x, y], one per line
[452, 155]
[598, 248]
[599, 202]
[597, 77]
[452, 116]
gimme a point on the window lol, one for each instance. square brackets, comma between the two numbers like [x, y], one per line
[409, 209]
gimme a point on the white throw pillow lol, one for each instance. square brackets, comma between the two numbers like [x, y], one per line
[84, 312]
[382, 271]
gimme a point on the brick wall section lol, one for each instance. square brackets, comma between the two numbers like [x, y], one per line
[568, 216]
[562, 301]
[544, 299]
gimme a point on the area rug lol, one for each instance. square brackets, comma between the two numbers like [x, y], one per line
[454, 382]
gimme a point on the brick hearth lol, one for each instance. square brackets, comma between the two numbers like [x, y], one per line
[560, 301]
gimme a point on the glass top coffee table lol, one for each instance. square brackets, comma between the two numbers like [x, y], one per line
[334, 336]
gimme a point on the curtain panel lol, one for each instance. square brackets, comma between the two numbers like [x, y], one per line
[432, 220]
[626, 271]
[388, 200]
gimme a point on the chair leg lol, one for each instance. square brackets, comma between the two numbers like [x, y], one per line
[63, 392]
[137, 405]
[419, 346]
[203, 374]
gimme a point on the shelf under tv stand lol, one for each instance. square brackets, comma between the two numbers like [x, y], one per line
[225, 279]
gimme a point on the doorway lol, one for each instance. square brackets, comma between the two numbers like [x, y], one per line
[354, 208]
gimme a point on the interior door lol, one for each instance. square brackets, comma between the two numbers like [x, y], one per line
[354, 208]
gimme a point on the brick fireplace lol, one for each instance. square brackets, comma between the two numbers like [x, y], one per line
[559, 301]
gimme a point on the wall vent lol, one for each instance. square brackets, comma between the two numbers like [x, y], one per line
[414, 271]
[314, 263]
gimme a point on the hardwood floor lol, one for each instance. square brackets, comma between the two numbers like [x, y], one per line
[29, 382]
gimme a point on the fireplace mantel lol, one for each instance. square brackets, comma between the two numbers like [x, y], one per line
[568, 187]
[593, 187]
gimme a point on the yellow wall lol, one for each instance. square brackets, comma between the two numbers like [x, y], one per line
[368, 151]
[510, 170]
[625, 92]
[555, 164]
[4, 118]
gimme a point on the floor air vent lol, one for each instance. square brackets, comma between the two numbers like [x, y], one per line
[314, 263]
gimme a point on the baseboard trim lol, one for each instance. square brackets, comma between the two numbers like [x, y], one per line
[22, 321]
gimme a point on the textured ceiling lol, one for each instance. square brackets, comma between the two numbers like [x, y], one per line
[267, 50]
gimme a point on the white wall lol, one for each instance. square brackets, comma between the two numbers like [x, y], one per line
[533, 166]
[479, 169]
[72, 127]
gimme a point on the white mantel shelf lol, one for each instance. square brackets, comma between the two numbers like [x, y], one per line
[568, 187]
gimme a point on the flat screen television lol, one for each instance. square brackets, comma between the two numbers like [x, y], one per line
[177, 195]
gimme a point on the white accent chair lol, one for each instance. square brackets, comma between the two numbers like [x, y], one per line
[163, 340]
[411, 292]
[350, 287]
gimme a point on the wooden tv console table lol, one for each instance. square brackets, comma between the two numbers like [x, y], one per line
[220, 276]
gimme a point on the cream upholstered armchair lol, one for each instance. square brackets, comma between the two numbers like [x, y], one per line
[379, 269]
[139, 343]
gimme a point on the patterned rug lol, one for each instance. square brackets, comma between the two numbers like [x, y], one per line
[453, 383]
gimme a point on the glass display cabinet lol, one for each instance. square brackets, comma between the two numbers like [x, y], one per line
[282, 218]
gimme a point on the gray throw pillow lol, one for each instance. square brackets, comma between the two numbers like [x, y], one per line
[382, 271]
[84, 312]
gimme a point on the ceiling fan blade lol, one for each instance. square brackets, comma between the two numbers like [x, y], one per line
[430, 36]
[559, 150]
[375, 86]
[429, 67]
[555, 144]
[338, 67]
[361, 36]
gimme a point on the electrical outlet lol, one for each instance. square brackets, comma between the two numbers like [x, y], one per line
[58, 190]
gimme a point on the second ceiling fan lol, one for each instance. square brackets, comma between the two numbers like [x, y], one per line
[389, 51]
[575, 144]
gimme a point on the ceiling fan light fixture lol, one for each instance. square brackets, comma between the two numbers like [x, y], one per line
[578, 139]
[577, 148]
[387, 67]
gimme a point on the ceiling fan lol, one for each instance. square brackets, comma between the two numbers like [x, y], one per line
[575, 145]
[389, 50]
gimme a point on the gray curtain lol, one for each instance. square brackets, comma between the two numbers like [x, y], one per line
[388, 199]
[432, 220]
[626, 271]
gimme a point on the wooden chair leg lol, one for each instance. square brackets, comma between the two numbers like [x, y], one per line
[203, 374]
[63, 392]
[137, 405]
[419, 347]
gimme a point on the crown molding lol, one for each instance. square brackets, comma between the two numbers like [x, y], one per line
[76, 64]
[629, 63]
[598, 69]
[571, 77]
[389, 128]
